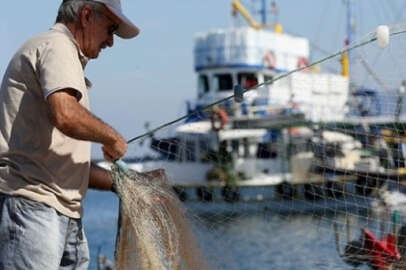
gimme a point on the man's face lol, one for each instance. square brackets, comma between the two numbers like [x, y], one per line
[98, 33]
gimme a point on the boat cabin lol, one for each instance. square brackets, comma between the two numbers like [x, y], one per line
[244, 56]
[198, 142]
[216, 84]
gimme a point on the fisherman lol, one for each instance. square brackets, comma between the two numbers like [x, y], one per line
[46, 130]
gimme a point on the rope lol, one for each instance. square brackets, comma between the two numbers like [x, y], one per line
[195, 112]
[337, 239]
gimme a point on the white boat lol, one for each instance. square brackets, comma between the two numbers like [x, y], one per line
[265, 141]
[199, 149]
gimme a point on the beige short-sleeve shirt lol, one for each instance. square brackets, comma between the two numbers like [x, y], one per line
[38, 161]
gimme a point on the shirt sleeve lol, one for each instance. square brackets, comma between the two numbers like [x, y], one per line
[60, 68]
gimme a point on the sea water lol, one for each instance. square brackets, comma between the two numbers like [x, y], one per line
[248, 238]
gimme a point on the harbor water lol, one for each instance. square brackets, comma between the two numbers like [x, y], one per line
[255, 237]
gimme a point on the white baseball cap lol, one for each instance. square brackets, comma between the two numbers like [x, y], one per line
[126, 29]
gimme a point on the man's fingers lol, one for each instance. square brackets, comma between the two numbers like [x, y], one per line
[108, 156]
[113, 155]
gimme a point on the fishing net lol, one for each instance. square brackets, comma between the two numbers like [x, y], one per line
[153, 231]
[315, 172]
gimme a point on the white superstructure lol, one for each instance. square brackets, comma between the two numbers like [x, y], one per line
[226, 57]
[247, 47]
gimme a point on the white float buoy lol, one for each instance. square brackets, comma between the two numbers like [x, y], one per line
[382, 35]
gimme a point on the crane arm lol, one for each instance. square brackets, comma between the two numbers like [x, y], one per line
[238, 6]
[373, 73]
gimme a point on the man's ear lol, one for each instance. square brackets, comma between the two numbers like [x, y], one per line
[85, 16]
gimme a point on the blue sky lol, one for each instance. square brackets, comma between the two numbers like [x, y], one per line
[150, 78]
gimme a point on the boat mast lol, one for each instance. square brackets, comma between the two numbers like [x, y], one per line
[263, 12]
[350, 22]
[346, 56]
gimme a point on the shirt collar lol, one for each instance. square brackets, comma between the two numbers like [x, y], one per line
[60, 27]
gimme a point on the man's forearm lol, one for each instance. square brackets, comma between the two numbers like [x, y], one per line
[100, 178]
[81, 124]
[75, 121]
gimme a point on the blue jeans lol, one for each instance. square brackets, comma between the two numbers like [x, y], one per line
[35, 236]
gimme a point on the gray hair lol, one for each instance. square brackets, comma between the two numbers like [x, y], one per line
[69, 10]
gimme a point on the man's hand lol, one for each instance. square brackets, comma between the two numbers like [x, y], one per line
[115, 150]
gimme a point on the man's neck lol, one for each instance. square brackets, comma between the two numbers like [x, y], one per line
[76, 33]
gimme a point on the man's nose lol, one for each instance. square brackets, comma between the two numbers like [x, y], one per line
[110, 41]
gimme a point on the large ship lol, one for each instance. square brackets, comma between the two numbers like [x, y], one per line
[273, 137]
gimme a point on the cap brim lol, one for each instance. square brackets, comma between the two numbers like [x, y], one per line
[126, 28]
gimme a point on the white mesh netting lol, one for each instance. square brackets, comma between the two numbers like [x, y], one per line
[309, 167]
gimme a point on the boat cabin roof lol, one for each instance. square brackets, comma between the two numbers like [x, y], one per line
[202, 128]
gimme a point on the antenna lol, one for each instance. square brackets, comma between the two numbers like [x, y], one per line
[349, 7]
[347, 56]
[351, 24]
[263, 12]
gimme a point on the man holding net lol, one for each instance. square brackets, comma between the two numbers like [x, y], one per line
[45, 133]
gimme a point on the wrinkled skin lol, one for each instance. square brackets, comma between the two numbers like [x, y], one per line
[97, 31]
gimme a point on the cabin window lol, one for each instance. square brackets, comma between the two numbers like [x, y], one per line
[267, 78]
[203, 85]
[190, 151]
[246, 148]
[247, 80]
[267, 151]
[235, 144]
[223, 82]
[179, 156]
[206, 153]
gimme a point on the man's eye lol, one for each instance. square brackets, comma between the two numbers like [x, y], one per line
[113, 29]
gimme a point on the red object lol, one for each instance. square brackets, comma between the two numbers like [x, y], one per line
[219, 118]
[382, 252]
[270, 59]
[302, 62]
